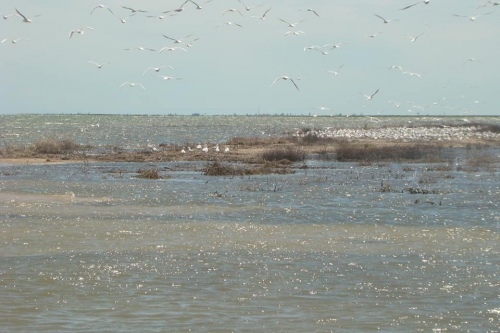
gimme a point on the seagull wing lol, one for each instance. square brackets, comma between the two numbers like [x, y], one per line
[24, 17]
[169, 38]
[277, 79]
[411, 5]
[140, 85]
[381, 18]
[374, 93]
[124, 83]
[284, 21]
[294, 84]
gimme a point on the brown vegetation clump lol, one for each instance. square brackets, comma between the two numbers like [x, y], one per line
[348, 151]
[219, 169]
[149, 173]
[289, 153]
[51, 146]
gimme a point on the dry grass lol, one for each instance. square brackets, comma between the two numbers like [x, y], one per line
[51, 146]
[348, 151]
[289, 153]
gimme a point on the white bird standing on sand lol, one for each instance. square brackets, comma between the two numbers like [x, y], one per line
[25, 19]
[205, 149]
[80, 31]
[226, 150]
[285, 78]
[132, 84]
[99, 66]
[369, 97]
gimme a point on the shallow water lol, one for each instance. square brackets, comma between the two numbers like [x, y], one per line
[85, 248]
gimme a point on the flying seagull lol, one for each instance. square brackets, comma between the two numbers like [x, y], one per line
[368, 97]
[164, 77]
[385, 20]
[80, 31]
[170, 49]
[177, 41]
[337, 71]
[285, 78]
[134, 10]
[263, 17]
[425, 1]
[96, 7]
[291, 25]
[157, 69]
[99, 66]
[123, 20]
[414, 39]
[25, 19]
[132, 84]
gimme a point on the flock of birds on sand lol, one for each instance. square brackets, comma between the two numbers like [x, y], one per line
[259, 11]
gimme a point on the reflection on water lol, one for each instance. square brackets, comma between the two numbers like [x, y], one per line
[324, 250]
[328, 249]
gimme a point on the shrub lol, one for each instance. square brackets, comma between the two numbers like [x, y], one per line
[347, 151]
[149, 173]
[51, 146]
[292, 154]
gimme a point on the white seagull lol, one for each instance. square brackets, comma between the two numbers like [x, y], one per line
[123, 20]
[295, 33]
[97, 7]
[132, 84]
[472, 18]
[141, 48]
[385, 20]
[337, 71]
[414, 39]
[263, 17]
[368, 97]
[311, 10]
[176, 41]
[412, 74]
[80, 31]
[13, 41]
[396, 67]
[291, 25]
[231, 10]
[169, 77]
[25, 19]
[134, 10]
[285, 78]
[99, 66]
[425, 1]
[6, 16]
[157, 69]
[171, 49]
[374, 35]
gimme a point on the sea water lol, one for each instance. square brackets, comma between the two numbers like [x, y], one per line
[326, 249]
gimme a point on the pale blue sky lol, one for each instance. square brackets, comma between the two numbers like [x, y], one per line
[230, 69]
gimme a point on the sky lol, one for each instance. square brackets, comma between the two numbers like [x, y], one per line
[452, 68]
